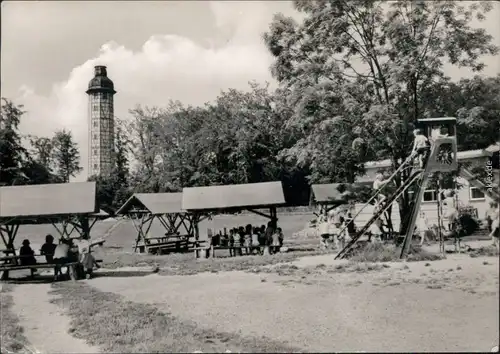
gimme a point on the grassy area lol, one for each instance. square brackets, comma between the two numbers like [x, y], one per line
[186, 264]
[488, 251]
[380, 252]
[12, 338]
[293, 270]
[115, 325]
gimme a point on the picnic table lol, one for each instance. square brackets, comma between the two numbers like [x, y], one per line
[168, 243]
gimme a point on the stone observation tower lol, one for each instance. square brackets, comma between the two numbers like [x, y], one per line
[101, 123]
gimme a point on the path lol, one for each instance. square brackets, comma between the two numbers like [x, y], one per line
[335, 314]
[46, 327]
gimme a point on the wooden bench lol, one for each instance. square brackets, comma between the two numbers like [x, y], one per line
[5, 269]
[213, 248]
[71, 269]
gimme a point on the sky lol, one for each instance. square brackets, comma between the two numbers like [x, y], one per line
[155, 51]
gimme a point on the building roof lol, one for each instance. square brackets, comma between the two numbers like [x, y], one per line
[493, 148]
[101, 82]
[332, 193]
[461, 155]
[237, 196]
[441, 119]
[48, 200]
[154, 203]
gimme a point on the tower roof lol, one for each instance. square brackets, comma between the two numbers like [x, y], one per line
[101, 82]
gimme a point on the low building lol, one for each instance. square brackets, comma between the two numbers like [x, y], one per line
[469, 194]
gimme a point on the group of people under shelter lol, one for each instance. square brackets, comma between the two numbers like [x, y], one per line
[67, 251]
[249, 239]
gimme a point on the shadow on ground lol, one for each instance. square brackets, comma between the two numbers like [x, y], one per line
[121, 274]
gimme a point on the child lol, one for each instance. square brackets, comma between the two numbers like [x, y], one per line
[281, 236]
[247, 239]
[48, 249]
[27, 255]
[495, 231]
[378, 184]
[491, 214]
[255, 240]
[231, 240]
[275, 245]
[88, 261]
[323, 231]
[421, 147]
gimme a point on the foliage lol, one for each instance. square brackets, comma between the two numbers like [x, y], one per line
[12, 153]
[360, 75]
[66, 155]
[468, 223]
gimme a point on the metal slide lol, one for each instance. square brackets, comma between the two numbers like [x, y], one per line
[385, 205]
[406, 162]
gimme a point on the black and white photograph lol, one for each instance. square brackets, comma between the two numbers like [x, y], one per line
[306, 176]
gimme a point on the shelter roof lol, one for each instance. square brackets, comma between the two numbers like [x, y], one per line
[154, 203]
[332, 193]
[48, 200]
[236, 196]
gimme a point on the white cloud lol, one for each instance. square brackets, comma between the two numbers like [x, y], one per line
[167, 67]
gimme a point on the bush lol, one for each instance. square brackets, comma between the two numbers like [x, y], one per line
[467, 222]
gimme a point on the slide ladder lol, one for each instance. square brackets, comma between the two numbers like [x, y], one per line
[383, 208]
[400, 168]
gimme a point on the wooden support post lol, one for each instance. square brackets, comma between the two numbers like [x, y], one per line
[139, 227]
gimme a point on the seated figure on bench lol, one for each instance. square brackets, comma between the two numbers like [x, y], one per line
[61, 256]
[27, 255]
[48, 249]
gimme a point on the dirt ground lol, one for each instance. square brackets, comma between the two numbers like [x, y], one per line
[46, 328]
[448, 305]
[317, 304]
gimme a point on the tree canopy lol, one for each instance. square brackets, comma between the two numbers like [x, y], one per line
[353, 79]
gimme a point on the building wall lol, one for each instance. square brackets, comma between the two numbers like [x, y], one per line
[467, 196]
[101, 133]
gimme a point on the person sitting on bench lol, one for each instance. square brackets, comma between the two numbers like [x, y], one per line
[61, 256]
[27, 255]
[48, 249]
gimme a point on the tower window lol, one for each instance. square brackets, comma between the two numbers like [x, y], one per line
[95, 166]
[105, 95]
[95, 108]
[95, 151]
[95, 136]
[96, 124]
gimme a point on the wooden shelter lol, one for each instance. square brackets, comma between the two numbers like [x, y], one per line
[331, 195]
[203, 201]
[144, 208]
[73, 206]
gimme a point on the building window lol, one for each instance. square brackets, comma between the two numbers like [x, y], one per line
[95, 151]
[96, 124]
[475, 194]
[105, 95]
[95, 166]
[94, 136]
[430, 195]
[95, 108]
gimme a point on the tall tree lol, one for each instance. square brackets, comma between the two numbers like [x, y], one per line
[42, 152]
[12, 153]
[374, 63]
[66, 155]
